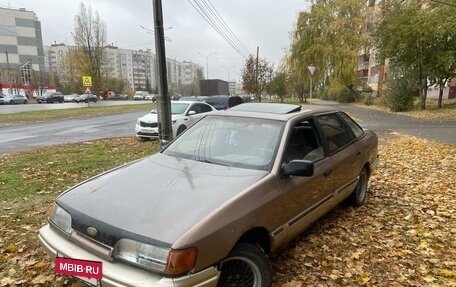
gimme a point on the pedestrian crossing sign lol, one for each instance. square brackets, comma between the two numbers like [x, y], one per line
[87, 81]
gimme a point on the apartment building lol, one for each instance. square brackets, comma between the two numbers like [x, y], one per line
[136, 67]
[21, 48]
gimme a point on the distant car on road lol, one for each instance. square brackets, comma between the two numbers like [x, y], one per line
[69, 98]
[118, 97]
[183, 115]
[13, 99]
[86, 98]
[50, 97]
[151, 97]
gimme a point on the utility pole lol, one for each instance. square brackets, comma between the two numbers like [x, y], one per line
[165, 130]
[256, 76]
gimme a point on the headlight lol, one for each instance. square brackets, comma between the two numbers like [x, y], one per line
[138, 122]
[164, 260]
[61, 218]
[141, 254]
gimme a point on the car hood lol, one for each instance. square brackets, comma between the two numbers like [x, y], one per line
[155, 199]
[152, 118]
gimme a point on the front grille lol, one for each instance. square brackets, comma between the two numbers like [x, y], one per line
[148, 125]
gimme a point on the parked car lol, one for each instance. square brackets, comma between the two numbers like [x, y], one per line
[140, 95]
[69, 98]
[209, 208]
[223, 102]
[50, 97]
[117, 97]
[86, 98]
[183, 115]
[151, 97]
[13, 99]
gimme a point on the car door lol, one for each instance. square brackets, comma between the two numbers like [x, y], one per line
[304, 199]
[199, 111]
[344, 155]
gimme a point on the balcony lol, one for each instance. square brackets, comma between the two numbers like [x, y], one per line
[363, 73]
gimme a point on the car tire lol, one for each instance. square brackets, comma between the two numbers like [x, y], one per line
[358, 196]
[25, 102]
[247, 265]
[61, 100]
[11, 102]
[180, 130]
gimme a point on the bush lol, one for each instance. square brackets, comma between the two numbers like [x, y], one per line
[368, 98]
[399, 94]
[348, 95]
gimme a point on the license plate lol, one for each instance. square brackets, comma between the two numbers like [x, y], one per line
[90, 272]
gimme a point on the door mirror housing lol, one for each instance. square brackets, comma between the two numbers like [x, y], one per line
[191, 113]
[298, 168]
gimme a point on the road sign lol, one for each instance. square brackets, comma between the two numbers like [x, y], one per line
[87, 91]
[87, 81]
[311, 69]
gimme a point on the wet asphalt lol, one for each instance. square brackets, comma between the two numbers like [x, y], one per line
[384, 122]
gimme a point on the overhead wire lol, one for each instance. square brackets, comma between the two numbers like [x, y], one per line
[202, 10]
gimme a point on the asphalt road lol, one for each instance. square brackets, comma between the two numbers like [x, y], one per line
[24, 137]
[442, 131]
[12, 109]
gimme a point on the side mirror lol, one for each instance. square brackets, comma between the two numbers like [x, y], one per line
[191, 113]
[298, 168]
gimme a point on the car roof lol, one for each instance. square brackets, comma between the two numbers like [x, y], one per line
[186, 102]
[271, 111]
[278, 108]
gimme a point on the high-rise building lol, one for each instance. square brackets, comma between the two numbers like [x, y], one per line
[21, 47]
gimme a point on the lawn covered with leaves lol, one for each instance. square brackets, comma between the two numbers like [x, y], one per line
[403, 235]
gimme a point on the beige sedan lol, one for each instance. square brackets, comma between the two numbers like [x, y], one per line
[209, 208]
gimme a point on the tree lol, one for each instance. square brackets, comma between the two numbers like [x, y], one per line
[329, 37]
[278, 85]
[90, 38]
[256, 77]
[413, 37]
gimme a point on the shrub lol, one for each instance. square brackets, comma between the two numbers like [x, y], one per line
[399, 94]
[348, 95]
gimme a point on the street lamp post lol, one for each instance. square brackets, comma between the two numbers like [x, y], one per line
[207, 70]
[207, 63]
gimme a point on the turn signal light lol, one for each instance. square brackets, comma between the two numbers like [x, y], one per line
[181, 261]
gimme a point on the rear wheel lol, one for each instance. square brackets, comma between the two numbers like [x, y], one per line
[246, 266]
[359, 194]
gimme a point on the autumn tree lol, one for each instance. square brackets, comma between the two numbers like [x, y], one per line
[256, 76]
[90, 38]
[278, 85]
[329, 37]
[420, 39]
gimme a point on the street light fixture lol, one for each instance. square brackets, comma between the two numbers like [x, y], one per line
[207, 63]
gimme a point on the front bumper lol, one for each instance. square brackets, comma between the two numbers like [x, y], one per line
[146, 132]
[118, 274]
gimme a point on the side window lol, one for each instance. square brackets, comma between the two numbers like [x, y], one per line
[357, 130]
[336, 133]
[194, 108]
[303, 143]
[204, 108]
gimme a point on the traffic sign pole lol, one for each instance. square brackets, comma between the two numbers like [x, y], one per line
[311, 69]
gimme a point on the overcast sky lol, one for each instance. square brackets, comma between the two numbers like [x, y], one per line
[263, 23]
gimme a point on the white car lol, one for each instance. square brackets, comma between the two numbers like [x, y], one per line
[183, 115]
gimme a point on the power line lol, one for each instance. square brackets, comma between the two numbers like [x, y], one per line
[210, 20]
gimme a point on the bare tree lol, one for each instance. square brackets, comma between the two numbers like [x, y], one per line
[90, 38]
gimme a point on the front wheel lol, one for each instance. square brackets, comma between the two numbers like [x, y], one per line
[359, 194]
[246, 266]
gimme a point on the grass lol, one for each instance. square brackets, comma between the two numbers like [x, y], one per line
[29, 183]
[47, 115]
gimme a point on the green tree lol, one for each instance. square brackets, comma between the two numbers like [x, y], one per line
[329, 37]
[278, 85]
[90, 38]
[256, 77]
[420, 39]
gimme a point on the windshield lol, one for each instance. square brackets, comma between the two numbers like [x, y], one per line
[231, 141]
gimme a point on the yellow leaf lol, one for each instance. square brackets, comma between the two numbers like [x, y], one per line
[11, 247]
[447, 273]
[40, 265]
